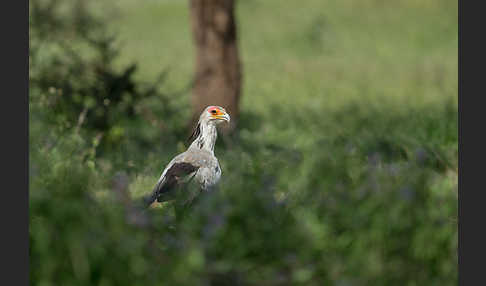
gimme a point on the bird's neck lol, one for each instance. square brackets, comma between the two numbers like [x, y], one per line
[206, 138]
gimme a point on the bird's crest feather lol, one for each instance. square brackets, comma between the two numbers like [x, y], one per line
[195, 132]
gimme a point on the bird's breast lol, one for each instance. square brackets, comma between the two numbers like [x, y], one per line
[209, 175]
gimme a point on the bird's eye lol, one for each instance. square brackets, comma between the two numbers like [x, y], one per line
[213, 111]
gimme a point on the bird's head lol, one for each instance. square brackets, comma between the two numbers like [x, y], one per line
[214, 114]
[211, 116]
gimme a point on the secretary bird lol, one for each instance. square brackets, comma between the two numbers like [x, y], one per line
[197, 162]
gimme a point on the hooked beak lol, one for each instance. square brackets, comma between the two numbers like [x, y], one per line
[226, 117]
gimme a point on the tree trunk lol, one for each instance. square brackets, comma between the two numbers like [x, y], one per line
[218, 74]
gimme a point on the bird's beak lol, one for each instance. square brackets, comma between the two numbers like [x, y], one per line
[223, 116]
[226, 117]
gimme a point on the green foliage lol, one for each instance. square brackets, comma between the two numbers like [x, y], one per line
[72, 55]
[343, 170]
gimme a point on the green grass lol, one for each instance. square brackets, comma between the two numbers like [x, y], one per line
[343, 171]
[305, 61]
[323, 53]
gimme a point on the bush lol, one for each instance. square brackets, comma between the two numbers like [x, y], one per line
[72, 58]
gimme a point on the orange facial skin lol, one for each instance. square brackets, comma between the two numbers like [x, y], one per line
[216, 111]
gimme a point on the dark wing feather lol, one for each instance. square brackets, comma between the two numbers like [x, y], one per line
[174, 177]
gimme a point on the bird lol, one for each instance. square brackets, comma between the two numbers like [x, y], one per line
[197, 163]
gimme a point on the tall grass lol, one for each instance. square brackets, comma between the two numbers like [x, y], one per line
[343, 170]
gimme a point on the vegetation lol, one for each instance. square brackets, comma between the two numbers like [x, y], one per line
[343, 170]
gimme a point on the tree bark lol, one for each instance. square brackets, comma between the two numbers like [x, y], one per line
[218, 68]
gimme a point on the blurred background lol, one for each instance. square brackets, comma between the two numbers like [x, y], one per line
[341, 168]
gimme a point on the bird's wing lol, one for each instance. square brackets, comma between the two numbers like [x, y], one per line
[176, 174]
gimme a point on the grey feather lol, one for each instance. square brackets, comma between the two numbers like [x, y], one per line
[197, 163]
